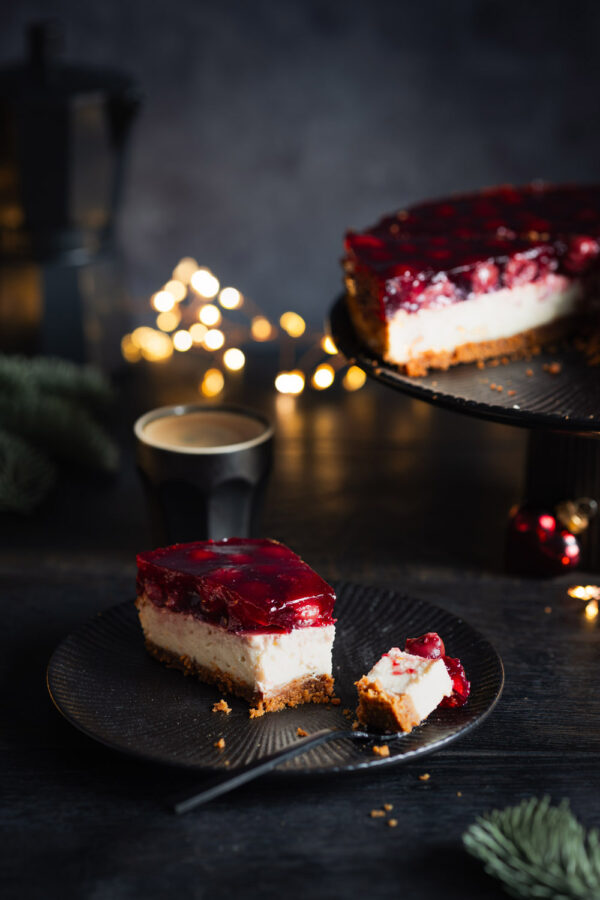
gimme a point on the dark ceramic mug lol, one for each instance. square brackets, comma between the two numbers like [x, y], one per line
[204, 470]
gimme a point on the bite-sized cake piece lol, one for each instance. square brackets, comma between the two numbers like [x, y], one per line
[401, 690]
[474, 276]
[246, 614]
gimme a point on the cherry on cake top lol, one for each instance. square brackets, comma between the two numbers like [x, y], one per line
[437, 253]
[242, 584]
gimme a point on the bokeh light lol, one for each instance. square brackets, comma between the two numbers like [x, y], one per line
[177, 289]
[212, 383]
[131, 352]
[209, 315]
[168, 321]
[182, 341]
[328, 345]
[323, 377]
[198, 332]
[290, 382]
[163, 301]
[230, 298]
[214, 339]
[354, 379]
[261, 328]
[293, 324]
[184, 269]
[234, 359]
[204, 283]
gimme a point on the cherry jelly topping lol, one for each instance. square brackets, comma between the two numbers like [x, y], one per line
[431, 646]
[440, 252]
[254, 585]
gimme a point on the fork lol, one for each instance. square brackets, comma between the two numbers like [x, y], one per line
[185, 802]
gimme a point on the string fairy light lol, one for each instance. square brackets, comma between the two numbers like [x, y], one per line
[189, 315]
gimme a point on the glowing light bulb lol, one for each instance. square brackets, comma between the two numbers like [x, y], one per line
[204, 283]
[261, 328]
[213, 383]
[293, 324]
[177, 289]
[214, 339]
[184, 269]
[156, 346]
[139, 336]
[234, 359]
[591, 610]
[323, 377]
[584, 592]
[354, 379]
[209, 314]
[163, 301]
[182, 341]
[198, 332]
[290, 382]
[328, 345]
[168, 321]
[230, 298]
[129, 350]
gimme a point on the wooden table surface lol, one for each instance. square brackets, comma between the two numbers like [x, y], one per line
[370, 487]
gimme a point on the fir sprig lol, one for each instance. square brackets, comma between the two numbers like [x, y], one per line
[538, 851]
[26, 475]
[49, 375]
[62, 428]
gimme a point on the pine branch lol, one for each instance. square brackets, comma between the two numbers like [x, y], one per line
[538, 851]
[54, 376]
[26, 475]
[60, 427]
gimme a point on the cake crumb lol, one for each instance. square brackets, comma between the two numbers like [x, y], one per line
[355, 725]
[480, 364]
[511, 393]
[220, 744]
[377, 814]
[381, 750]
[388, 807]
[301, 732]
[529, 372]
[222, 706]
[547, 610]
[335, 701]
[257, 711]
[348, 713]
[553, 368]
[392, 823]
[425, 776]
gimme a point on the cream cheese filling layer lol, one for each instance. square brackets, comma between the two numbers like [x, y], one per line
[266, 662]
[425, 681]
[481, 317]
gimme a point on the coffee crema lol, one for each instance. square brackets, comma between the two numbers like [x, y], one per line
[204, 431]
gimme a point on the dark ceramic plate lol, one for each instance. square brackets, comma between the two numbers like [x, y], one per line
[569, 401]
[103, 681]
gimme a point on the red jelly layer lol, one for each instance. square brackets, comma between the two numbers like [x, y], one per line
[438, 253]
[244, 585]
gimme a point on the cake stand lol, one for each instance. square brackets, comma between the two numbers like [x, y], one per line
[555, 395]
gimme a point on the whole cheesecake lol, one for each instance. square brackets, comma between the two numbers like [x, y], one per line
[475, 276]
[246, 614]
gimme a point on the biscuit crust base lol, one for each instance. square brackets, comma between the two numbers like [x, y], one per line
[373, 330]
[384, 712]
[314, 689]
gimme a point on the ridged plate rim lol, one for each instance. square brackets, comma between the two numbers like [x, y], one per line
[61, 663]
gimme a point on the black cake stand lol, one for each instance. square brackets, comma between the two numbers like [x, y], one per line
[555, 395]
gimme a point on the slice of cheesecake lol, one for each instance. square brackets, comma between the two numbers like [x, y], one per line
[475, 276]
[401, 690]
[247, 615]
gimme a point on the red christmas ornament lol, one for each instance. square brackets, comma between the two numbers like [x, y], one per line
[538, 544]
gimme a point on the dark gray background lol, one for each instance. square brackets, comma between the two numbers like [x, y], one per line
[271, 127]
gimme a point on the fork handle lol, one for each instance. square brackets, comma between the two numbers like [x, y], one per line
[185, 802]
